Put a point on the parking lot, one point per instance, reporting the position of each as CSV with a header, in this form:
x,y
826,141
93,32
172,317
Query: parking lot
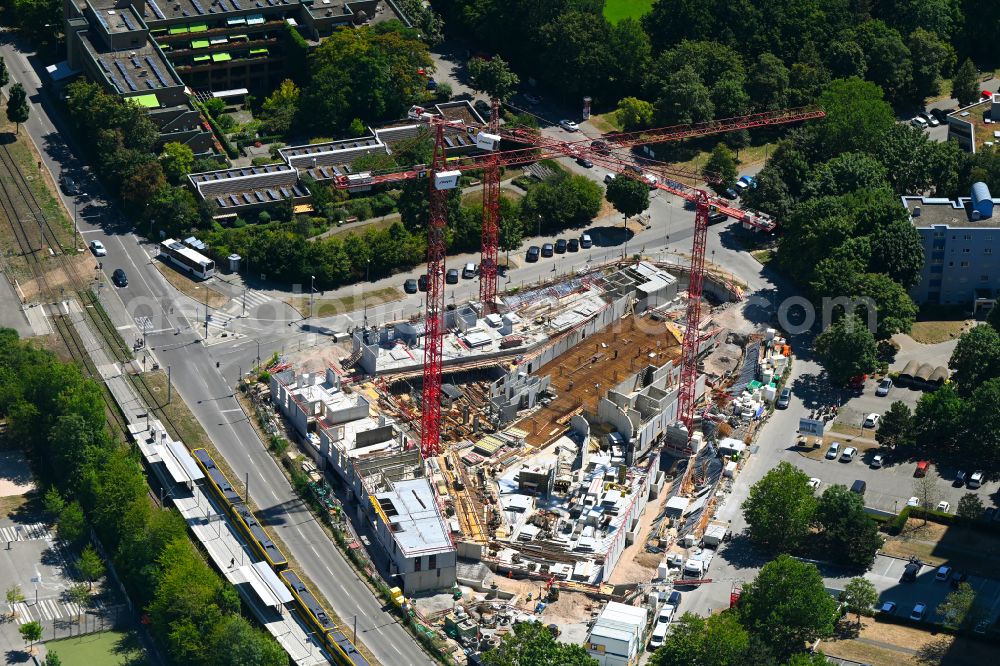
x,y
886,575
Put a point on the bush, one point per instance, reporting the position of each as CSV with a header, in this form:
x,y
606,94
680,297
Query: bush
x,y
383,203
215,107
360,208
263,217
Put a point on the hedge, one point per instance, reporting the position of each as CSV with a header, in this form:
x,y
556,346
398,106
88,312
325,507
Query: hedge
x,y
895,525
231,150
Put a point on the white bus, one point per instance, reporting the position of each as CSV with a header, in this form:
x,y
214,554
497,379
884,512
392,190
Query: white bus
x,y
188,260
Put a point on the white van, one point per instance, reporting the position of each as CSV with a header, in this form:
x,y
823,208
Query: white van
x,y
659,635
469,271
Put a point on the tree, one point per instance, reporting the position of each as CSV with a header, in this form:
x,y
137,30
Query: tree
x,y
718,640
847,173
898,251
965,83
176,161
938,419
780,508
847,349
632,53
975,359
684,99
235,642
31,632
856,114
72,526
808,659
90,565
850,535
894,309
970,507
931,57
4,74
721,165
634,114
896,427
787,605
768,82
979,442
79,594
280,108
52,659
425,19
927,494
141,184
14,596
888,58
368,72
17,106
53,501
532,644
859,596
493,77
629,196
955,608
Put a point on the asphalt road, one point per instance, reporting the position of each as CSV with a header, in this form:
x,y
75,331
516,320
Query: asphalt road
x,y
207,392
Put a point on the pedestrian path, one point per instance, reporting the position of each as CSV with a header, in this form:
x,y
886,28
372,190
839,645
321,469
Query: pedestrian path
x,y
46,609
29,532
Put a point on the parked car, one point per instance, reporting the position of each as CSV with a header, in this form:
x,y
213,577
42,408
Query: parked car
x,y
911,570
601,146
975,480
958,578
469,271
674,599
986,94
586,241
119,278
931,120
871,421
943,573
584,162
877,462
410,286
608,177
452,276
919,122
569,125
730,193
944,506
888,607
97,247
483,107
784,398
561,246
941,114
717,217
859,487
548,250
832,452
919,611
913,501
921,469
959,478
573,245
883,387
848,454
422,283
532,254
814,482
69,185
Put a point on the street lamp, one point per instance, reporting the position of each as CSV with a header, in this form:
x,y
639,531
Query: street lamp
x,y
312,290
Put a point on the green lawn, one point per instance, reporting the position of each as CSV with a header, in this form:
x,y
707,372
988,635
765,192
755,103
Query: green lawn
x,y
616,10
109,648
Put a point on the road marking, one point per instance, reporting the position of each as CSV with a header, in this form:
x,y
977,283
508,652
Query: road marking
x,y
124,327
226,411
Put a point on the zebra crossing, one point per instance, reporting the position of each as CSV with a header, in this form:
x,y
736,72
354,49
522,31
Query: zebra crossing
x,y
29,532
46,609
221,318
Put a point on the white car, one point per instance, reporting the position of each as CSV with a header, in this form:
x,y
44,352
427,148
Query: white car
x,y
944,506
913,501
97,247
871,421
877,462
568,125
931,120
834,449
814,482
848,454
975,480
919,122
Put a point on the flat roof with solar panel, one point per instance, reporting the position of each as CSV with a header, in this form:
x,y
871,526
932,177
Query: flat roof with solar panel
x,y
137,70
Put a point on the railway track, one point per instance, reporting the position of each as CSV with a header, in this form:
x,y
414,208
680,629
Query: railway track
x,y
29,224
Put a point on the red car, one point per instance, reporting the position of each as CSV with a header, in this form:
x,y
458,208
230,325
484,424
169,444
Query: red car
x,y
921,469
986,94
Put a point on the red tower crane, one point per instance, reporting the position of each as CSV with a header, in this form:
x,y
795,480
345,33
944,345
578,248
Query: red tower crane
x,y
445,176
